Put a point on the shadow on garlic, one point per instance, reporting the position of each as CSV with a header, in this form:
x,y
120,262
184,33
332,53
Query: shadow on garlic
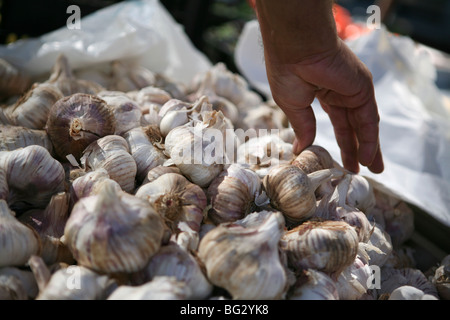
x,y
15,137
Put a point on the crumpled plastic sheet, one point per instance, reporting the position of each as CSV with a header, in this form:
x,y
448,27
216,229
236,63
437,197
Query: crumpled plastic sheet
x,y
142,31
415,117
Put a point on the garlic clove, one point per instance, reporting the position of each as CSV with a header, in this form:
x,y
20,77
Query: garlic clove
x,y
113,231
76,121
232,194
158,171
328,246
246,261
112,154
176,199
17,241
173,261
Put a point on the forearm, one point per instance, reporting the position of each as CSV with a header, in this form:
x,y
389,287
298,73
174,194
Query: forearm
x,y
295,30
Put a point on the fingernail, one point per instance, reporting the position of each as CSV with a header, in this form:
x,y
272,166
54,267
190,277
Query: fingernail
x,y
295,147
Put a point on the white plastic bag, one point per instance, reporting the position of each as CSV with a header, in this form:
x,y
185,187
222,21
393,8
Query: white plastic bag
x,y
415,121
131,30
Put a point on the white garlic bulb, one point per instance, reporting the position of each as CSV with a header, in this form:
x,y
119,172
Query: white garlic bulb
x,y
174,113
127,112
145,145
77,283
17,241
380,248
232,194
410,293
127,76
33,176
360,193
245,261
328,246
113,231
353,282
176,199
158,171
293,192
112,154
313,285
313,158
263,116
173,261
160,288
32,109
196,148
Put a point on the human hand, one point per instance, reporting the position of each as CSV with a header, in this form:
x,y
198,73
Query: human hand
x,y
343,86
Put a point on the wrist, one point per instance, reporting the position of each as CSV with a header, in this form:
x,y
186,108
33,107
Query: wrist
x,y
296,30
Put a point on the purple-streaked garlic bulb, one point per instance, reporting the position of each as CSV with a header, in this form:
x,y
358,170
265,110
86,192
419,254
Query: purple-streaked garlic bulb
x,y
244,259
76,121
113,231
112,154
15,137
313,158
232,194
176,199
328,246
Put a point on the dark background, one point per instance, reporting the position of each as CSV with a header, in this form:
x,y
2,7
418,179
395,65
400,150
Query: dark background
x,y
214,25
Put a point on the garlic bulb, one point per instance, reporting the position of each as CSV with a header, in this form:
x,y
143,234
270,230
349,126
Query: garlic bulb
x,y
63,78
127,112
4,189
146,149
353,282
17,241
328,246
15,137
313,285
313,158
158,171
196,148
151,100
160,288
13,81
76,121
49,225
33,176
393,278
32,109
264,152
410,293
112,154
176,199
245,261
380,248
174,113
77,283
441,278
113,231
176,89
173,261
360,193
11,289
263,117
232,194
292,191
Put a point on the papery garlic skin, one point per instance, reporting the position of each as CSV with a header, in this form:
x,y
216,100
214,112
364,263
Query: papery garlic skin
x,y
353,282
158,171
112,154
160,288
176,199
173,261
17,241
113,231
313,285
232,194
246,261
313,158
4,190
146,149
76,121
328,246
410,293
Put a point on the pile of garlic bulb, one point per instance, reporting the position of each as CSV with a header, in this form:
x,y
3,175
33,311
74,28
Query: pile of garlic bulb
x,y
101,198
